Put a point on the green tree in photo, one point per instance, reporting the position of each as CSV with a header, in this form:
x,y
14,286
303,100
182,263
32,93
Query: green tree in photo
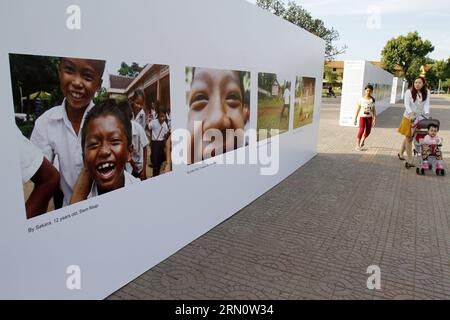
x,y
130,70
101,96
408,52
265,81
33,75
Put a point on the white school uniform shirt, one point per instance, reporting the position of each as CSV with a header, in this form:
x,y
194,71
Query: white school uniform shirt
x,y
54,135
153,114
159,131
140,118
419,107
31,157
129,180
287,96
139,141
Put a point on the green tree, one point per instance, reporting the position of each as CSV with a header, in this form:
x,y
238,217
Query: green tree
x,y
33,74
408,52
446,85
297,15
431,78
330,76
265,81
439,71
101,96
130,70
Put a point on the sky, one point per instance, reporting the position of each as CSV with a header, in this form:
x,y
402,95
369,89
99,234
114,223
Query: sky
x,y
365,26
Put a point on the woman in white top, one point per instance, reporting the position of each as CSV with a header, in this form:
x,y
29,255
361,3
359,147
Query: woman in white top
x,y
417,103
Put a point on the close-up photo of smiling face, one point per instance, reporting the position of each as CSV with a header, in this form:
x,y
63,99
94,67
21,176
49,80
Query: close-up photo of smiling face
x,y
106,152
80,79
217,101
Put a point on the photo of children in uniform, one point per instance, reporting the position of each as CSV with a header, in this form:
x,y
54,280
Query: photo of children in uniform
x,y
217,100
274,99
304,101
78,129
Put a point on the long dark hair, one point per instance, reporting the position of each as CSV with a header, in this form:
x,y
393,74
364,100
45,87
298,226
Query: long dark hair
x,y
423,91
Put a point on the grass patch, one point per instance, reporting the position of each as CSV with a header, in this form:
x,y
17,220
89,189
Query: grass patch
x,y
303,114
269,111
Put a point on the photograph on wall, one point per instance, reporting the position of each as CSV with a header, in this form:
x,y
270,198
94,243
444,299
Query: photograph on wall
x,y
86,127
274,99
218,103
381,91
304,101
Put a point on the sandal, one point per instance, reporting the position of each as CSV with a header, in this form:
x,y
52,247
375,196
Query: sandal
x,y
409,165
400,157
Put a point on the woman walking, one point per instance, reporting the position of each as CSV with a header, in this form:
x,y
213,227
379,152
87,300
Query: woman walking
x,y
367,115
417,103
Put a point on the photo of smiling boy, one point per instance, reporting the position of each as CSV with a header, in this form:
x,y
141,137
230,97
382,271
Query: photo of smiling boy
x,y
217,99
57,131
106,141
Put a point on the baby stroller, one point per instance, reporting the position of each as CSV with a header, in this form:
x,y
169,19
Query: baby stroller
x,y
420,131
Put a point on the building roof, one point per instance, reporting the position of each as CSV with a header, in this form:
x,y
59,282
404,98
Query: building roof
x,y
340,65
335,64
119,82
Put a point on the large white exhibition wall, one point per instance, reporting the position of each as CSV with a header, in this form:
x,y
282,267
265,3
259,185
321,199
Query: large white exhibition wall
x,y
358,74
190,52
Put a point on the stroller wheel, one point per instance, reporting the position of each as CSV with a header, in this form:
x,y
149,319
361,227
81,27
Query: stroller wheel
x,y
418,171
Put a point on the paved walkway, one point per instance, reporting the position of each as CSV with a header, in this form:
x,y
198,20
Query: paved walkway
x,y
314,235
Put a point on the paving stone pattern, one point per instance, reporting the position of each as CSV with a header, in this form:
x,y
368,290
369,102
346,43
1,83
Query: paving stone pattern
x,y
314,235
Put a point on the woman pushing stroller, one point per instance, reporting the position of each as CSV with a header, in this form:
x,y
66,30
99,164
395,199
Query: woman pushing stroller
x,y
417,103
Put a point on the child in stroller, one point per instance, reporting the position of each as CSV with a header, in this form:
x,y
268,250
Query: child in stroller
x,y
427,145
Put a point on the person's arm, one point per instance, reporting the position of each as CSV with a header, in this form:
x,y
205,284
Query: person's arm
x,y
429,140
134,166
168,152
150,129
145,144
143,174
46,182
426,106
357,112
39,137
82,187
407,102
374,116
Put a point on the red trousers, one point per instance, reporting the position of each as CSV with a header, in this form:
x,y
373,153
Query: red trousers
x,y
365,125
